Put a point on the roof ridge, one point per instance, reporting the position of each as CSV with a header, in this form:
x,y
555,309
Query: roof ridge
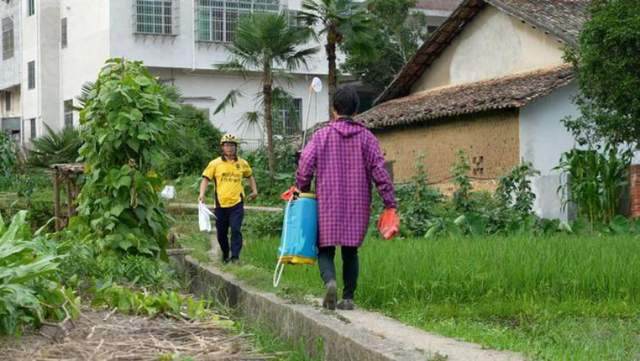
x,y
498,79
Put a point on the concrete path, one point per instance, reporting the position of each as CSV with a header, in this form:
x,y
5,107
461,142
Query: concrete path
x,y
343,335
413,338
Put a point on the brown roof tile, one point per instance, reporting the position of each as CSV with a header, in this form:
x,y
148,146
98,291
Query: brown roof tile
x,y
513,91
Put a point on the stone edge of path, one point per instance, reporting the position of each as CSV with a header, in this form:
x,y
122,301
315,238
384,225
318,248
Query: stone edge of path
x,y
324,333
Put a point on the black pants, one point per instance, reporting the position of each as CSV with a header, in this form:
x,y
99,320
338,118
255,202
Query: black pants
x,y
225,218
350,268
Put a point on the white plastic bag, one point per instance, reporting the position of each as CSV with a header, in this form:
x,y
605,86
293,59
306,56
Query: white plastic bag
x,y
169,192
204,219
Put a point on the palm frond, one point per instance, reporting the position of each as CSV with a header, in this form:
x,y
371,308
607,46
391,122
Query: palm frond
x,y
55,147
299,58
87,92
250,122
229,101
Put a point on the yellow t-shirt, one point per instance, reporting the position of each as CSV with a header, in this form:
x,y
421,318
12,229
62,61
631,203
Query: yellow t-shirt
x,y
227,176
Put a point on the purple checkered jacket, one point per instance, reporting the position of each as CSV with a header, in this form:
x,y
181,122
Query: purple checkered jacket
x,y
345,158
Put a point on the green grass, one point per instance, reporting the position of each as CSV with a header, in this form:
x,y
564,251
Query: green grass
x,y
554,298
268,344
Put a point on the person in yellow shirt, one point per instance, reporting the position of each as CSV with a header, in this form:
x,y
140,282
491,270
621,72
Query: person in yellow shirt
x,y
227,172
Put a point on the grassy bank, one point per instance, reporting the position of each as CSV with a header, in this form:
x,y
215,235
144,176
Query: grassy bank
x,y
554,298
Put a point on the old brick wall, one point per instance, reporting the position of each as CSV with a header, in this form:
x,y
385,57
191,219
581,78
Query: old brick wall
x,y
491,140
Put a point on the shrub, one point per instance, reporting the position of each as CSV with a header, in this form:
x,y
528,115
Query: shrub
x,y
419,201
8,156
193,141
460,170
124,128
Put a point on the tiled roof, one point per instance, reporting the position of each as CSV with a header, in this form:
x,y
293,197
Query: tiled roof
x,y
513,91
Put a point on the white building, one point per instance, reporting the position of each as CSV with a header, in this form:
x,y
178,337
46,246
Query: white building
x,y
50,48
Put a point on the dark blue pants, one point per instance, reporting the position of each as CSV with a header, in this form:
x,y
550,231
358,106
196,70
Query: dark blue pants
x,y
225,218
350,268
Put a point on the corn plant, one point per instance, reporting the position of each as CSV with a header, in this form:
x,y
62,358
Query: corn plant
x,y
595,181
30,291
460,170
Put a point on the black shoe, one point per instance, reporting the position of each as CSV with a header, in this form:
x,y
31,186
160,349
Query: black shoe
x,y
234,260
331,297
346,304
226,259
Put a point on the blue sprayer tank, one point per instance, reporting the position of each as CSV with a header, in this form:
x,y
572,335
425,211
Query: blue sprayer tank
x,y
298,244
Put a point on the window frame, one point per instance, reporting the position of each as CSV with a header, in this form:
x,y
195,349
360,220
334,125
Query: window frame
x,y
31,75
67,105
8,38
7,101
33,128
31,7
213,23
145,21
64,33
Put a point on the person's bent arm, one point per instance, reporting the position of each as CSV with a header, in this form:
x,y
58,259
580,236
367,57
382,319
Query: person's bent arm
x,y
203,189
254,188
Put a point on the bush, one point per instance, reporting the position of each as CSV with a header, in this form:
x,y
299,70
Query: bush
x,y
264,223
8,157
268,187
124,129
419,202
192,142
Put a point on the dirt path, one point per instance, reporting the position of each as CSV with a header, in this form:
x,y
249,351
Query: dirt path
x,y
112,336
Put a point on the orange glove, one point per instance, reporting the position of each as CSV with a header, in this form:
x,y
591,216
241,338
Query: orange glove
x,y
289,194
389,223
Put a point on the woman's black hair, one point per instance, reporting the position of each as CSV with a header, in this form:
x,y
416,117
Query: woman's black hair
x,y
346,101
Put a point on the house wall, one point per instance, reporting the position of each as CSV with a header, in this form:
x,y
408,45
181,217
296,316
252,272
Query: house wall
x,y
87,47
492,45
180,50
543,139
492,136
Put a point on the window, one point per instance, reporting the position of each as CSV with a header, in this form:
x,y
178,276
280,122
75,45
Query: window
x,y
7,38
68,113
7,101
11,126
294,20
32,125
31,7
216,20
154,17
288,117
31,73
63,33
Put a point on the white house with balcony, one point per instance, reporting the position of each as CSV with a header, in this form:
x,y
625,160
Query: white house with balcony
x,y
50,48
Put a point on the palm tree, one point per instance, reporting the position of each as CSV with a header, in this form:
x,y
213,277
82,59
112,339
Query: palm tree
x,y
265,42
337,19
